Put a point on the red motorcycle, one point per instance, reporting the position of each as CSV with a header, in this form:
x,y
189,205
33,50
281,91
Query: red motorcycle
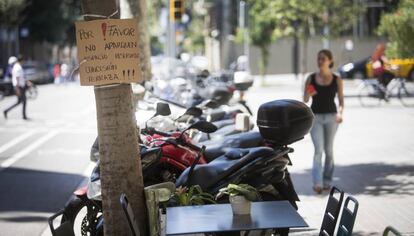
x,y
178,150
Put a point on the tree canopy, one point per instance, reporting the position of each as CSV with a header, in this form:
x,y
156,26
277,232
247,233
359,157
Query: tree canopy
x,y
399,28
51,20
10,12
272,19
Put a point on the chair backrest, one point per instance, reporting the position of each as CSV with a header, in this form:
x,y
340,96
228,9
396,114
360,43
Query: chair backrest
x,y
348,216
129,213
64,229
154,195
392,230
333,207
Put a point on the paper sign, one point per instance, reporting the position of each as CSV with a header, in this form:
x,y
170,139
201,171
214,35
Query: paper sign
x,y
108,51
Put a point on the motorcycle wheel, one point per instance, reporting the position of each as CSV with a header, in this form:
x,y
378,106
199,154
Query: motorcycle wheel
x,y
83,216
160,174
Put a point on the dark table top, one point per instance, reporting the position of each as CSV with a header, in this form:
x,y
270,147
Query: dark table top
x,y
219,217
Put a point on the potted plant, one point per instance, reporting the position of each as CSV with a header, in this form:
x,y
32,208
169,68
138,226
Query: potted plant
x,y
240,197
193,195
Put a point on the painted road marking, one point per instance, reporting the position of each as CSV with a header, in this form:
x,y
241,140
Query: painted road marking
x,y
16,157
16,140
65,129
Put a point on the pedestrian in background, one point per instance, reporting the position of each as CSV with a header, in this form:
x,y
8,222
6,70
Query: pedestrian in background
x,y
20,85
56,73
323,86
64,73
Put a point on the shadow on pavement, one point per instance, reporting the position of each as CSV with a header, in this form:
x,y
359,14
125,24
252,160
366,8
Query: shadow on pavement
x,y
19,219
35,191
370,179
365,233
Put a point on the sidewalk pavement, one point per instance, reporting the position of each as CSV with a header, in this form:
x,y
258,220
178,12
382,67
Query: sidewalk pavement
x,y
374,159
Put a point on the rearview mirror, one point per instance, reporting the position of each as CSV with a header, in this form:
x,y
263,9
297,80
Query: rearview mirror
x,y
212,104
193,111
203,126
163,109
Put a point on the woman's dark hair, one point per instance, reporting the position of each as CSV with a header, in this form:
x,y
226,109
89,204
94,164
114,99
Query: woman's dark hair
x,y
20,58
328,54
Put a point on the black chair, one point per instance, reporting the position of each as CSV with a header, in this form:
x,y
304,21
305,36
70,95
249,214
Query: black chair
x,y
348,216
333,207
64,229
392,230
133,225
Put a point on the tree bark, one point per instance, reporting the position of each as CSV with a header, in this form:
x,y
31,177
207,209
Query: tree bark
x,y
304,67
121,170
120,166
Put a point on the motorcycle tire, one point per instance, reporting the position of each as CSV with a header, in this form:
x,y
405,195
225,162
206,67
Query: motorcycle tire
x,y
89,221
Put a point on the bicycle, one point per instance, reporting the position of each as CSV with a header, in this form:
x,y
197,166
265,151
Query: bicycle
x,y
371,92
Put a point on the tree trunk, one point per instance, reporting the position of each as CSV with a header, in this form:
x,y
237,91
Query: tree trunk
x,y
304,61
121,170
120,166
264,61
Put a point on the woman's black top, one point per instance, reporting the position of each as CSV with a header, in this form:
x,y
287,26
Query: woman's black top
x,y
324,100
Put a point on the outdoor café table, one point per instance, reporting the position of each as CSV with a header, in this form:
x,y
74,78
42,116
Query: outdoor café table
x,y
219,217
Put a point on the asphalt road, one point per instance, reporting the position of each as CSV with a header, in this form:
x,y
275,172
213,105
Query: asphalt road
x,y
43,160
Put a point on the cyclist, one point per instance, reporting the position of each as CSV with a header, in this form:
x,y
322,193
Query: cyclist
x,y
380,66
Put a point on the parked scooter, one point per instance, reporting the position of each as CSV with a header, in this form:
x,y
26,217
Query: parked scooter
x,y
280,122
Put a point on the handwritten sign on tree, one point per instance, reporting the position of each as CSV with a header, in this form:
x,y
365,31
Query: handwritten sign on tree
x,y
108,51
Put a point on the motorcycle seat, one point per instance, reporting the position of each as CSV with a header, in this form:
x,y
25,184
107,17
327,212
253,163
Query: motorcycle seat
x,y
206,175
216,148
216,116
219,134
223,123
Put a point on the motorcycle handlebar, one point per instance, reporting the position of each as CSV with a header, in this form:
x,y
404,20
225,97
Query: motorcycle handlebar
x,y
192,146
181,139
152,131
162,133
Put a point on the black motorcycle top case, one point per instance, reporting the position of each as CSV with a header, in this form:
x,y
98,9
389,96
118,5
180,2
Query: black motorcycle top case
x,y
282,122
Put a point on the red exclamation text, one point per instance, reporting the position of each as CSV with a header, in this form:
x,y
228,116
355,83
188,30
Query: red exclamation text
x,y
104,30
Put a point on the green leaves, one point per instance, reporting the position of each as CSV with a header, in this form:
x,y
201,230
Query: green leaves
x,y
52,21
10,12
399,28
273,19
248,191
285,16
192,196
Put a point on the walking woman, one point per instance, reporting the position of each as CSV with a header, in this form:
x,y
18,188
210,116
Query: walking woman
x,y
323,86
